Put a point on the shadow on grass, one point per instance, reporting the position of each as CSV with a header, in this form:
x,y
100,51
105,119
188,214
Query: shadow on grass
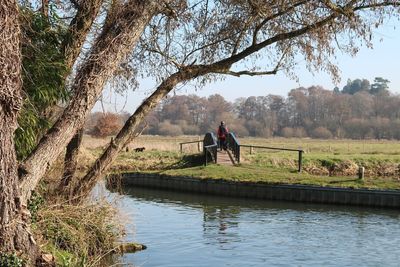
x,y
346,181
188,161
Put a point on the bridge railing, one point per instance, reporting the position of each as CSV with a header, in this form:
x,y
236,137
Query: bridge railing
x,y
190,142
210,147
234,146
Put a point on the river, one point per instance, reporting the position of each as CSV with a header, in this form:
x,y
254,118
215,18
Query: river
x,y
197,230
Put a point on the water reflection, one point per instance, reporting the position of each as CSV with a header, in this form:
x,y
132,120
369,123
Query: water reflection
x,y
194,200
197,230
218,223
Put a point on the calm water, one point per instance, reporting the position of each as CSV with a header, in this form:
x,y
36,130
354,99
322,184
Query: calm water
x,y
196,230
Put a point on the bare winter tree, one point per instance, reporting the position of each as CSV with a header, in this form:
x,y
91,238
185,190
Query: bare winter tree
x,y
210,37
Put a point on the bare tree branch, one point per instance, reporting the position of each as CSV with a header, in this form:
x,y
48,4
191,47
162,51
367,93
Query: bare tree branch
x,y
45,8
203,47
255,73
274,16
242,35
382,4
248,73
166,56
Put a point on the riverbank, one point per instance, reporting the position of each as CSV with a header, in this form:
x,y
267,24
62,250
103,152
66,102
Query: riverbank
x,y
329,160
282,175
262,190
74,234
327,163
84,234
380,158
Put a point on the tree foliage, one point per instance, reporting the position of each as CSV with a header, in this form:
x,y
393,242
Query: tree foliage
x,y
43,76
108,124
379,87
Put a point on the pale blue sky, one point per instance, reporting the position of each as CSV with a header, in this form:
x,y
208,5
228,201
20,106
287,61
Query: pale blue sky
x,y
381,61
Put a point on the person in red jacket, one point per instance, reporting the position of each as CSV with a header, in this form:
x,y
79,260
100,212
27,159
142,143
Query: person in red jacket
x,y
222,134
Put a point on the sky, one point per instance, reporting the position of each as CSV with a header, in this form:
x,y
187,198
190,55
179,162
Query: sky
x,y
381,61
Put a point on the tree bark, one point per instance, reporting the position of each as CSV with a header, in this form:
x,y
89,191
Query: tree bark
x,y
45,8
119,36
73,41
78,30
71,159
14,229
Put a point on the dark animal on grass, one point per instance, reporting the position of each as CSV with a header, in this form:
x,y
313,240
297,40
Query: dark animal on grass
x,y
139,149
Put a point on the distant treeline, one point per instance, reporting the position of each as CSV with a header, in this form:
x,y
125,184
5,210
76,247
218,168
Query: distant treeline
x,y
359,111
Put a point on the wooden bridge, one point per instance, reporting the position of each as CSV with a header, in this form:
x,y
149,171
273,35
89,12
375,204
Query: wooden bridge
x,y
231,156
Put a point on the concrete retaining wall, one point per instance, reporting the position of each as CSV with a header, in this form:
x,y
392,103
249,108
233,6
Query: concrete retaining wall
x,y
300,193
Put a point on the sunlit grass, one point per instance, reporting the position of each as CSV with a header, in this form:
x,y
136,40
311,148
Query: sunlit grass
x,y
251,173
325,162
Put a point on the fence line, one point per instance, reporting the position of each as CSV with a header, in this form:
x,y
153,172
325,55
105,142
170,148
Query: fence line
x,y
300,151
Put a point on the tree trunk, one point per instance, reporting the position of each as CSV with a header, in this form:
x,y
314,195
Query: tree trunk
x,y
45,8
71,159
73,41
14,230
78,30
119,36
79,27
126,134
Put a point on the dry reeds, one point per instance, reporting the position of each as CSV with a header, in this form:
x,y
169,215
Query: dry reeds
x,y
79,234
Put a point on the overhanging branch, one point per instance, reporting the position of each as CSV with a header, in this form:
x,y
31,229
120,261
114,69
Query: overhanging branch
x,y
249,73
254,73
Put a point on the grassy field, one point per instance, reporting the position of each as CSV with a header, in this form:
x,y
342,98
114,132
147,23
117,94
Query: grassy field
x,y
251,173
326,162
329,157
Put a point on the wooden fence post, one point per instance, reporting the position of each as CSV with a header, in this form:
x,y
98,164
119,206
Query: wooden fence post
x,y
300,160
361,172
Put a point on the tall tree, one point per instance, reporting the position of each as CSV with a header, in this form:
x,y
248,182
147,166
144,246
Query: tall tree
x,y
380,86
353,87
122,28
14,228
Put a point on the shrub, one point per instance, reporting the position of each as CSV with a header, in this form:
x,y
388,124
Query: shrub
x,y
322,133
299,132
108,124
166,128
287,132
239,129
189,129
